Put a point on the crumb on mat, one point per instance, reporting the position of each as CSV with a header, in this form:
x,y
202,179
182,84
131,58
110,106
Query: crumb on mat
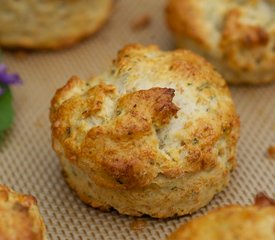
x,y
271,152
137,224
262,200
141,23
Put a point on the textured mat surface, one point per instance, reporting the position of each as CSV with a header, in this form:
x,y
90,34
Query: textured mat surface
x,y
28,163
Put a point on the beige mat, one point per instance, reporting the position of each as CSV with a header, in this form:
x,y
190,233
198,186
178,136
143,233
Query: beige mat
x,y
28,164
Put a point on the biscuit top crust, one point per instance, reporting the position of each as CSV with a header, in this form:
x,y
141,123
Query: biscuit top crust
x,y
230,223
19,216
242,32
154,114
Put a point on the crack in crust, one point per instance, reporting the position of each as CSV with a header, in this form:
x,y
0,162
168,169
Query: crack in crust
x,y
126,148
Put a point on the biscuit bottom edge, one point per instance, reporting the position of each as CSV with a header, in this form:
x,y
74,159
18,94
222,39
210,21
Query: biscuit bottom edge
x,y
153,200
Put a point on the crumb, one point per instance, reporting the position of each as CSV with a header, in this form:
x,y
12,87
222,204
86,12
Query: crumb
x,y
20,55
262,200
137,225
271,152
141,23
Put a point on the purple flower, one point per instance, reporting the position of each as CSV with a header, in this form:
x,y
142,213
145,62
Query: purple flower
x,y
7,78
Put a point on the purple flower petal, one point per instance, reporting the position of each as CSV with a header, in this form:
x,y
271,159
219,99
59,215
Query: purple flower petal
x,y
7,78
3,68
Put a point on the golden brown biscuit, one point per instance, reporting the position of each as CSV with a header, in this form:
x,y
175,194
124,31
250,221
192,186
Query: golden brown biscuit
x,y
156,134
231,223
19,217
238,36
50,24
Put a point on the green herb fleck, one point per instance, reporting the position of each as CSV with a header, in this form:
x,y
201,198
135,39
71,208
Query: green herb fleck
x,y
203,86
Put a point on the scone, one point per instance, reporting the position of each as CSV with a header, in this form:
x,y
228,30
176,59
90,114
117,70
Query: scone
x,y
19,217
231,223
156,134
237,36
50,24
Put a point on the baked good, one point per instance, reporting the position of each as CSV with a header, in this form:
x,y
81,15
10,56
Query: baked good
x,y
20,217
156,134
237,36
231,223
50,24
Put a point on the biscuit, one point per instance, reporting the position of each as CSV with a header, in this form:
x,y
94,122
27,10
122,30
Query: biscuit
x,y
50,24
231,223
20,217
156,134
237,37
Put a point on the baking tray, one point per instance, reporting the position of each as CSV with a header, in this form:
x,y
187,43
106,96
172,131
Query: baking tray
x,y
29,165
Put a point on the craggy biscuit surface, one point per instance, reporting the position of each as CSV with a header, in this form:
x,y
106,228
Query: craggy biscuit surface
x,y
50,24
19,217
230,223
238,36
156,134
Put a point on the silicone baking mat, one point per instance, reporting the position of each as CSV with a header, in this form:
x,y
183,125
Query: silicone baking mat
x,y
28,163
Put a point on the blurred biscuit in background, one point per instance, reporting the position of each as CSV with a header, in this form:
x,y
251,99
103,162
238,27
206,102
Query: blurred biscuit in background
x,y
232,223
49,24
238,36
